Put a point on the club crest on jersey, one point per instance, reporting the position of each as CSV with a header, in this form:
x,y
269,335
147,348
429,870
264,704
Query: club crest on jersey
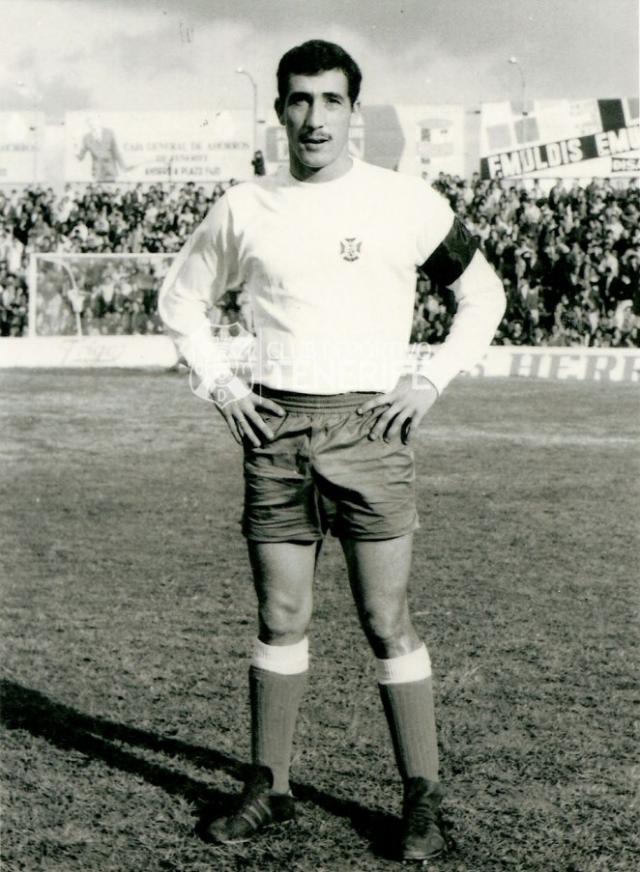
x,y
350,248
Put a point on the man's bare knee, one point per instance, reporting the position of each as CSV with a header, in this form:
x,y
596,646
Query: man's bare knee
x,y
390,633
283,620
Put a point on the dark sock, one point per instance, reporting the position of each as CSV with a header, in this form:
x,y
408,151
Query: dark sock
x,y
410,714
275,700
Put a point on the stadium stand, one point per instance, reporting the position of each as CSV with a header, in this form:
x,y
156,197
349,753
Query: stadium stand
x,y
570,258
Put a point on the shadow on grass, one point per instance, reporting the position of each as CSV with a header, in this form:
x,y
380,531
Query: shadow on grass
x,y
99,738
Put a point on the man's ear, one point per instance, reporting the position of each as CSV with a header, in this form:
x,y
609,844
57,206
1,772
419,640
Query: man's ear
x,y
279,107
356,107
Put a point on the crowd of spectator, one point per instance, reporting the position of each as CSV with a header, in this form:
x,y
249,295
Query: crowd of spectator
x,y
569,258
117,296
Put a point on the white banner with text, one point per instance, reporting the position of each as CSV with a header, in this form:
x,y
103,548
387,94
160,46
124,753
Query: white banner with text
x,y
560,138
421,140
21,146
158,146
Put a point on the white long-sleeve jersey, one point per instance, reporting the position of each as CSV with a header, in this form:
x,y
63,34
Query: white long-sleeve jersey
x,y
330,269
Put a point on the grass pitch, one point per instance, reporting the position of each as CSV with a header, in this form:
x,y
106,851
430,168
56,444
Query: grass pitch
x,y
129,614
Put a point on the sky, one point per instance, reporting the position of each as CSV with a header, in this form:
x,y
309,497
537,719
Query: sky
x,y
109,55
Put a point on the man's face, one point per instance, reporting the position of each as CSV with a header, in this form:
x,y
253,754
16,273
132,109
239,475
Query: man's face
x,y
316,113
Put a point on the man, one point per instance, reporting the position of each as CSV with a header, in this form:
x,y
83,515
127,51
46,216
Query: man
x,y
326,429
101,144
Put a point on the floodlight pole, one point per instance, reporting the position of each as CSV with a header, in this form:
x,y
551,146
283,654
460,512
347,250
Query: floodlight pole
x,y
516,63
243,72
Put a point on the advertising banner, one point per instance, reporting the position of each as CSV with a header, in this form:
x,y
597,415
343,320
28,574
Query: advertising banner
x,y
560,138
562,364
158,146
88,352
419,140
20,146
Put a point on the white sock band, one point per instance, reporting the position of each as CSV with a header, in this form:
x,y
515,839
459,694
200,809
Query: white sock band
x,y
415,666
283,659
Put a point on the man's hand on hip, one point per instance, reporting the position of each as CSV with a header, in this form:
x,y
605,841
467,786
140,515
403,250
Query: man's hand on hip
x,y
400,411
244,421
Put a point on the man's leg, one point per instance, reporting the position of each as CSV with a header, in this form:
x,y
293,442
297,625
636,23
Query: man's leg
x,y
283,577
379,576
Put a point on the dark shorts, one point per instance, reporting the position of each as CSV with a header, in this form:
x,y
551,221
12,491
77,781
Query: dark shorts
x,y
322,473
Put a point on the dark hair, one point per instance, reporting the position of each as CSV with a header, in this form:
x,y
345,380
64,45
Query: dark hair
x,y
317,56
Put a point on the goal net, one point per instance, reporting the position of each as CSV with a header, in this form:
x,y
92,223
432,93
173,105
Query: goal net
x,y
109,295
95,294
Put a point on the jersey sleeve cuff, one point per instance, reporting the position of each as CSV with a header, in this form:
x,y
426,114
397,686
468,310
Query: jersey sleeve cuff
x,y
436,375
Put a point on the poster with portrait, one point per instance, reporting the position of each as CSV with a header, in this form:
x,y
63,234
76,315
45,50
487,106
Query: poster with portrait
x,y
158,146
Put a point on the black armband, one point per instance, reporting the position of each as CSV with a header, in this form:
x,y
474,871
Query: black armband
x,y
451,258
